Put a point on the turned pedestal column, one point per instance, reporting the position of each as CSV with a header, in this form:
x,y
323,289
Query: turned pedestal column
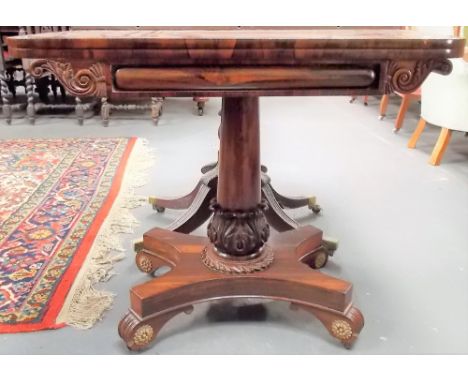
x,y
238,258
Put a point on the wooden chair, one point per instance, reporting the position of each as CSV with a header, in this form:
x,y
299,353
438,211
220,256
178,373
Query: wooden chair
x,y
12,75
444,103
406,100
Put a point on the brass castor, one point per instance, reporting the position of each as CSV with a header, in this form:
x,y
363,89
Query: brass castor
x,y
154,202
381,117
330,244
313,206
159,208
318,259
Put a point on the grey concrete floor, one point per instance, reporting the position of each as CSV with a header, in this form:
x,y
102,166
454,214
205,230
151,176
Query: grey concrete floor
x,y
402,226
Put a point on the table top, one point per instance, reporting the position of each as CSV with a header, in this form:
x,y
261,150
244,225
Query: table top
x,y
279,43
237,62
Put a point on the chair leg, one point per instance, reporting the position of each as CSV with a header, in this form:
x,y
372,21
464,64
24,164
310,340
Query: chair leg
x,y
383,106
402,112
5,94
366,100
30,96
79,110
417,133
440,147
105,111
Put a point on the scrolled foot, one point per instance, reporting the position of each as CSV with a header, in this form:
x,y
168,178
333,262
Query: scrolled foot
x,y
148,263
345,327
138,333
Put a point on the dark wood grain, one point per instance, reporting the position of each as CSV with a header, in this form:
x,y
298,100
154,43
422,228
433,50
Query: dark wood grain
x,y
245,78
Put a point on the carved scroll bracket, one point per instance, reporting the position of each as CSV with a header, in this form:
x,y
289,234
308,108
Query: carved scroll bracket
x,y
407,76
87,82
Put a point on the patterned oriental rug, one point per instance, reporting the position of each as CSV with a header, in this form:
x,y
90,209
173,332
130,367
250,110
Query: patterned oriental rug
x,y
63,203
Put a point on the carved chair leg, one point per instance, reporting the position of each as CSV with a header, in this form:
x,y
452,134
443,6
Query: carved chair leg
x,y
105,111
417,133
440,147
156,109
30,96
5,94
79,110
383,106
200,104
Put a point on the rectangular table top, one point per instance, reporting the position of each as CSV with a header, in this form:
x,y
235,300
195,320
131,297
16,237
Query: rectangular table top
x,y
373,43
237,62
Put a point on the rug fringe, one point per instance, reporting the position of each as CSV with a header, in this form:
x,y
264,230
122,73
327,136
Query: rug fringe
x,y
85,305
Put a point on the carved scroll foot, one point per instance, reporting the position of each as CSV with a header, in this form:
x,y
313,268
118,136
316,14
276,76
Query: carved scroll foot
x,y
344,326
148,262
139,333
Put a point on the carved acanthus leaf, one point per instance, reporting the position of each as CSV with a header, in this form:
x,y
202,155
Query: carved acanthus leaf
x,y
238,233
407,76
86,82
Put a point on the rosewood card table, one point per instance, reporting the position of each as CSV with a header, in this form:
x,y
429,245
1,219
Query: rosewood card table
x,y
240,257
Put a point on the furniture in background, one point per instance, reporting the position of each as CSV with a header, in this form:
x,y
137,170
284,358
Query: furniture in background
x,y
444,103
239,258
12,75
406,100
49,83
365,99
114,100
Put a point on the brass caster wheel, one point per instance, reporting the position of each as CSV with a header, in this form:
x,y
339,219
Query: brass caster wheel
x,y
352,100
330,244
145,263
381,117
316,209
313,206
318,259
366,104
159,209
154,202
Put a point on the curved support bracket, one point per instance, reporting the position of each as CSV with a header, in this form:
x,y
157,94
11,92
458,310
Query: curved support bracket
x,y
86,82
407,76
